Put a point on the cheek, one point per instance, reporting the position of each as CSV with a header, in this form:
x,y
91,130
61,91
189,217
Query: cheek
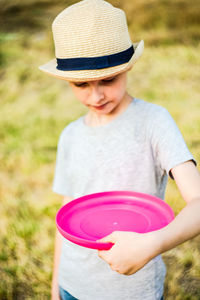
x,y
81,95
122,88
118,91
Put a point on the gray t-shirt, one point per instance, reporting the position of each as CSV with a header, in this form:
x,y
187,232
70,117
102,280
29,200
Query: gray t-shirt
x,y
133,152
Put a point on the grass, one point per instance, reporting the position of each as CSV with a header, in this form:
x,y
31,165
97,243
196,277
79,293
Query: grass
x,y
34,108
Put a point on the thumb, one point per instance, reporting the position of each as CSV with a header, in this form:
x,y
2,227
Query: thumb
x,y
108,239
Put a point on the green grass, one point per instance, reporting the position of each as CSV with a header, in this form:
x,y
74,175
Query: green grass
x,y
34,108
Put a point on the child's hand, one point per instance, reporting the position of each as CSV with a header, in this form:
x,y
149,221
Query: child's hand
x,y
130,252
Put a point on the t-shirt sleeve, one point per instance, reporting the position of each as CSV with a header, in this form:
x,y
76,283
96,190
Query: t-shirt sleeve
x,y
60,182
168,143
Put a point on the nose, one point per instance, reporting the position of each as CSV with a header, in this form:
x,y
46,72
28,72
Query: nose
x,y
97,94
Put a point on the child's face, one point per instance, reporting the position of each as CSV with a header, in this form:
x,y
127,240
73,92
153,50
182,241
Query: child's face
x,y
101,96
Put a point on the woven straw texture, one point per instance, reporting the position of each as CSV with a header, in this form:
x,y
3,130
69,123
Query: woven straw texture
x,y
90,28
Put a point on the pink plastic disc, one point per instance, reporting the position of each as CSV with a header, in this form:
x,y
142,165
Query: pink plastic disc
x,y
87,219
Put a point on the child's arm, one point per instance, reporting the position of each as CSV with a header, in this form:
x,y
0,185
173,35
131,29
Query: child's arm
x,y
57,251
132,251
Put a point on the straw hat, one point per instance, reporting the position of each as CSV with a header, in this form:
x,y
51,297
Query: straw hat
x,y
91,42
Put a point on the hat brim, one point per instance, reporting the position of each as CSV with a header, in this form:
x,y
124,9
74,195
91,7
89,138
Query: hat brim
x,y
83,75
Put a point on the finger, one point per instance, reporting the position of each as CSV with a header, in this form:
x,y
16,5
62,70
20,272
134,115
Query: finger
x,y
101,253
108,238
104,255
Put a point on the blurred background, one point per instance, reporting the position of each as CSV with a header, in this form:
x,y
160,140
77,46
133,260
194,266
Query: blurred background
x,y
34,108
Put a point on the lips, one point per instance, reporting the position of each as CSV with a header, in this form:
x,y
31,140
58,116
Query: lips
x,y
100,106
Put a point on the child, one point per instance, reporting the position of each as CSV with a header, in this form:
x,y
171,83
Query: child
x,y
122,143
